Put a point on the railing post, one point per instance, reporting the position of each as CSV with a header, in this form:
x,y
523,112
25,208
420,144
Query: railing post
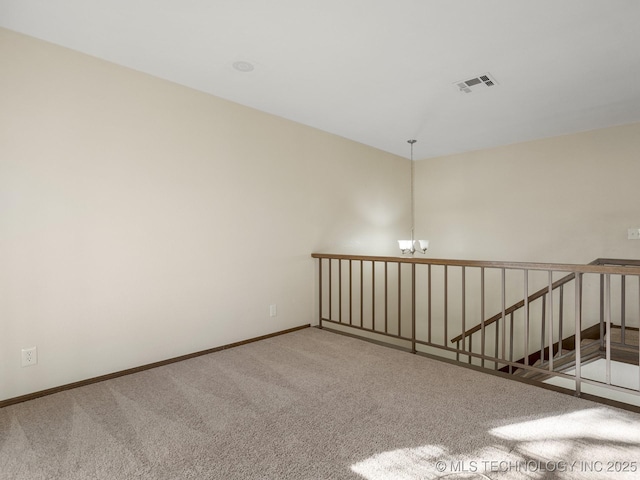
x,y
413,308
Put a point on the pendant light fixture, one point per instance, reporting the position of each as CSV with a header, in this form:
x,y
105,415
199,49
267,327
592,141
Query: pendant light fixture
x,y
409,247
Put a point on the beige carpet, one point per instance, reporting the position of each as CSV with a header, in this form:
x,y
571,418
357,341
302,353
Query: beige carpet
x,y
315,405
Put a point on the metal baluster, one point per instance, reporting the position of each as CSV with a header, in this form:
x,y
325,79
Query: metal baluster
x,y
340,291
413,308
623,300
373,295
601,311
446,301
578,333
607,319
482,317
550,321
504,320
320,293
526,317
511,342
560,321
386,299
330,291
350,292
542,328
496,343
429,300
463,308
361,293
399,299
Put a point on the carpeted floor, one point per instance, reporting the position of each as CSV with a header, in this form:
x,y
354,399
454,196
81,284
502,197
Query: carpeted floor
x,y
315,405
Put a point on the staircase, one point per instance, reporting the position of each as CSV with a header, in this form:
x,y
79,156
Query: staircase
x,y
550,358
591,349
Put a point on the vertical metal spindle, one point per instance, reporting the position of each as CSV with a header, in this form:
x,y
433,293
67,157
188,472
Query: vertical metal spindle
x,y
482,318
526,317
373,295
320,293
504,321
496,343
350,292
361,292
340,291
607,319
399,299
429,301
623,301
386,297
330,317
511,342
470,348
446,301
413,308
550,321
463,309
560,320
458,351
578,333
601,311
542,327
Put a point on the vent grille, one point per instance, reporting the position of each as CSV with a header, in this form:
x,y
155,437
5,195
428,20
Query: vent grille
x,y
476,83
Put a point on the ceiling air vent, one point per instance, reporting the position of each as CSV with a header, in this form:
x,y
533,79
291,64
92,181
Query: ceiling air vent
x,y
476,83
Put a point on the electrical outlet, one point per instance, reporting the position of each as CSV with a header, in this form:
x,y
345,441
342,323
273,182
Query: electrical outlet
x,y
273,310
29,356
633,234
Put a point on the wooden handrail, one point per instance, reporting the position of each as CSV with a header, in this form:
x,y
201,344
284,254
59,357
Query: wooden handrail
x,y
608,267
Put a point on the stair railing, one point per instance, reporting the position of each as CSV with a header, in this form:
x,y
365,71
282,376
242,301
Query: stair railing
x,y
420,303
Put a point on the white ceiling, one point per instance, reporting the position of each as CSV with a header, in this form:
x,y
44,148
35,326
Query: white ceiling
x,y
376,71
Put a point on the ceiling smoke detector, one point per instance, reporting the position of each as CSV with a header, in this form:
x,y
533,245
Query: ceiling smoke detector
x,y
476,83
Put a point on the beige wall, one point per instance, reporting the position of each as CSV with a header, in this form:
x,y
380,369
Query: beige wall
x,y
140,220
567,199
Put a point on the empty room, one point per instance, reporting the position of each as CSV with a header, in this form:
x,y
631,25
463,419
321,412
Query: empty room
x,y
319,240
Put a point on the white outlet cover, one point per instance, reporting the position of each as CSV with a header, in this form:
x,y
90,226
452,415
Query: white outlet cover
x,y
633,234
29,356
